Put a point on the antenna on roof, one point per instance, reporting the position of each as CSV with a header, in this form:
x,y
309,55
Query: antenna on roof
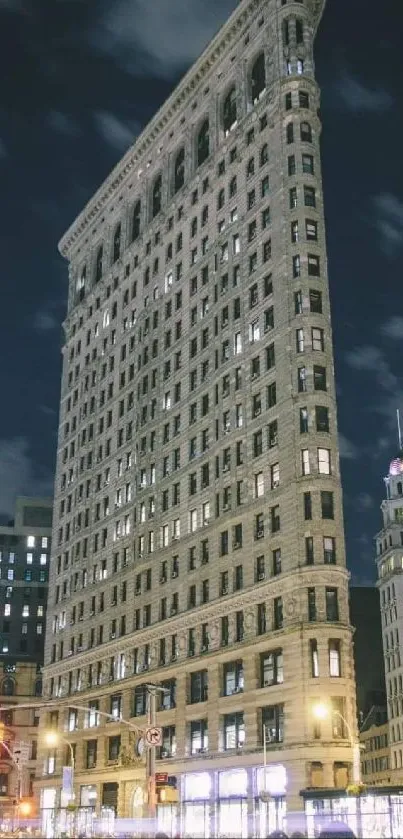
x,y
399,431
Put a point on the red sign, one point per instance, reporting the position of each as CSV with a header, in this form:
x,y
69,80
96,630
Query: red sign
x,y
161,778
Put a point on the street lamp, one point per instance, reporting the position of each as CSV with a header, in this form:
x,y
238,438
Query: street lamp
x,y
52,739
322,711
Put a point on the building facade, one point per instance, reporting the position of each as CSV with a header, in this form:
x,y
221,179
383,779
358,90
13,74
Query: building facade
x,y
24,569
198,531
389,560
375,757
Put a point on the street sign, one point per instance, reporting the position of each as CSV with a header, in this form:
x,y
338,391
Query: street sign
x,y
161,778
21,751
154,736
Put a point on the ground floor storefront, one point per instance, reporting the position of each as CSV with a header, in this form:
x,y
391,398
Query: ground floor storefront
x,y
376,813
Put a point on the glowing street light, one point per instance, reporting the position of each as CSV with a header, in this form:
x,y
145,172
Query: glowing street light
x,y
52,740
321,711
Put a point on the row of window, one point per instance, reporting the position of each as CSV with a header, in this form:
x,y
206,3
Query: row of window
x,y
231,630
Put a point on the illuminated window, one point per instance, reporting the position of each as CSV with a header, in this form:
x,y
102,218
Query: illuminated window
x,y
25,611
324,462
43,559
44,542
30,541
30,559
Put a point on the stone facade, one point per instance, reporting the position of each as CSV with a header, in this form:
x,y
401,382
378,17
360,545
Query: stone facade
x,y
198,512
20,685
389,560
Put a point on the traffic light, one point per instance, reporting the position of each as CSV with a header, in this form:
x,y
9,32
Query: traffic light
x,y
166,788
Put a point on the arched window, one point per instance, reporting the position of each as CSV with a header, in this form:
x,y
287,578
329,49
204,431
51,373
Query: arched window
x,y
117,242
156,196
258,78
290,132
286,33
136,221
229,111
99,263
299,31
264,154
8,687
203,142
306,132
179,170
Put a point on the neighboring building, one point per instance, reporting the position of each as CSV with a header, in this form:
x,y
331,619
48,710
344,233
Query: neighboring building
x,y
375,755
24,569
389,560
198,531
366,620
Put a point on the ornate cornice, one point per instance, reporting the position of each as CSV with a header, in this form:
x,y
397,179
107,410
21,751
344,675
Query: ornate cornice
x,y
186,89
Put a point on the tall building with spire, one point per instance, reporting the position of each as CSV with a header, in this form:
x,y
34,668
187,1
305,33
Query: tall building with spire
x,y
389,560
198,532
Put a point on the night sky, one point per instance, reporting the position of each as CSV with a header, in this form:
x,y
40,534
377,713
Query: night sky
x,y
79,80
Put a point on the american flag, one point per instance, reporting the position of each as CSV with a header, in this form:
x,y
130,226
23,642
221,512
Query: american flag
x,y
396,466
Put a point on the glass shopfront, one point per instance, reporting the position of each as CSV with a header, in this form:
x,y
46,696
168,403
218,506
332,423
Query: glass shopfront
x,y
232,806
377,814
230,803
196,805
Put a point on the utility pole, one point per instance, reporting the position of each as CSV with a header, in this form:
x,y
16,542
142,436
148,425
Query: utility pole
x,y
152,695
152,691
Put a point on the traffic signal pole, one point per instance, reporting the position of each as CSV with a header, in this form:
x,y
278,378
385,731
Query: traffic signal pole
x,y
152,803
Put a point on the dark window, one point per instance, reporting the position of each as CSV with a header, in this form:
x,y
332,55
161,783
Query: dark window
x,y
91,754
271,668
307,506
136,221
308,164
234,731
198,737
322,418
306,132
233,678
156,196
203,143
309,556
303,99
229,110
278,612
99,264
117,240
258,78
273,724
309,196
327,504
329,550
179,170
290,132
113,747
311,604
315,301
319,378
332,605
198,686
299,31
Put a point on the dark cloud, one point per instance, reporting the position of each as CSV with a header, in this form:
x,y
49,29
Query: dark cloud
x,y
359,98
